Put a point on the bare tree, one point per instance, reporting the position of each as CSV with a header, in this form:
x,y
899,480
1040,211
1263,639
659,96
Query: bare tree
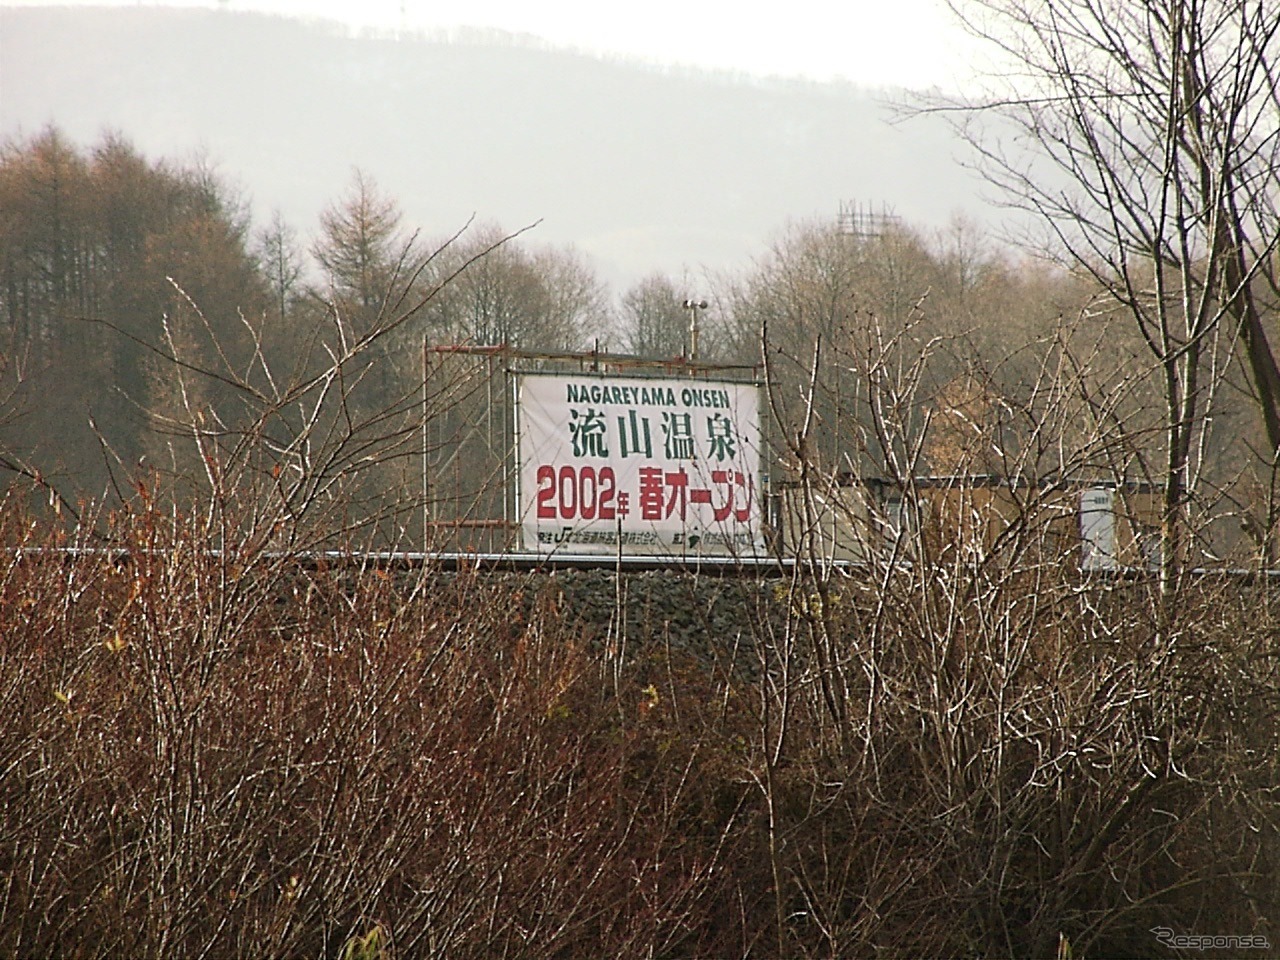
x,y
1145,137
536,299
361,248
280,259
654,321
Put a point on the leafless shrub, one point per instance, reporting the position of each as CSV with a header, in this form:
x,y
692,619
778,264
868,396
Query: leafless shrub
x,y
200,760
966,745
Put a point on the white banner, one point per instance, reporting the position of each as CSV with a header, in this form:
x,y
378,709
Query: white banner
x,y
654,467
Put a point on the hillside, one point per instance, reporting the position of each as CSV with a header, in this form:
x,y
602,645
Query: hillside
x,y
640,169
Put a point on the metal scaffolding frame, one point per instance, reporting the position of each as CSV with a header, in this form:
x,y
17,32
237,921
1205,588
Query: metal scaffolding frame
x,y
470,473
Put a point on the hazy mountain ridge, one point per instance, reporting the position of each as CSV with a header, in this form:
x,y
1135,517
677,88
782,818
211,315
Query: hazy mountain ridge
x,y
640,168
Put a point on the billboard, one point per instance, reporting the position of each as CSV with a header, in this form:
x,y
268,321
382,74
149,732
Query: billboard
x,y
642,466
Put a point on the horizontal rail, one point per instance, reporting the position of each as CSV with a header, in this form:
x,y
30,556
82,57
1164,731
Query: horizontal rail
x,y
587,356
754,565
452,560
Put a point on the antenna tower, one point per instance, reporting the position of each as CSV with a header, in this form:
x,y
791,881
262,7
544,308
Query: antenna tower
x,y
865,223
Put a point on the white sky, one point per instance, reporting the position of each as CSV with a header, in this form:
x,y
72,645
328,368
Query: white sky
x,y
911,43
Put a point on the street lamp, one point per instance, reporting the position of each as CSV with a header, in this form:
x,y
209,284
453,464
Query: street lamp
x,y
693,306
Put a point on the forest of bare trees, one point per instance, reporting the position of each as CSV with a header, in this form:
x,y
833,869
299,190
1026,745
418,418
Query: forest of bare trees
x,y
102,297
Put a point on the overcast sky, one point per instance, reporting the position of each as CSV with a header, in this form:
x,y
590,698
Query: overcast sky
x,y
911,43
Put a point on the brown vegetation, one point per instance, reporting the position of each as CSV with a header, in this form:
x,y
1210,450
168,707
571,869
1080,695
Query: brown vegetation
x,y
234,753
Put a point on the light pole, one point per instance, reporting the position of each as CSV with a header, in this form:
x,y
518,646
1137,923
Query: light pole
x,y
693,306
